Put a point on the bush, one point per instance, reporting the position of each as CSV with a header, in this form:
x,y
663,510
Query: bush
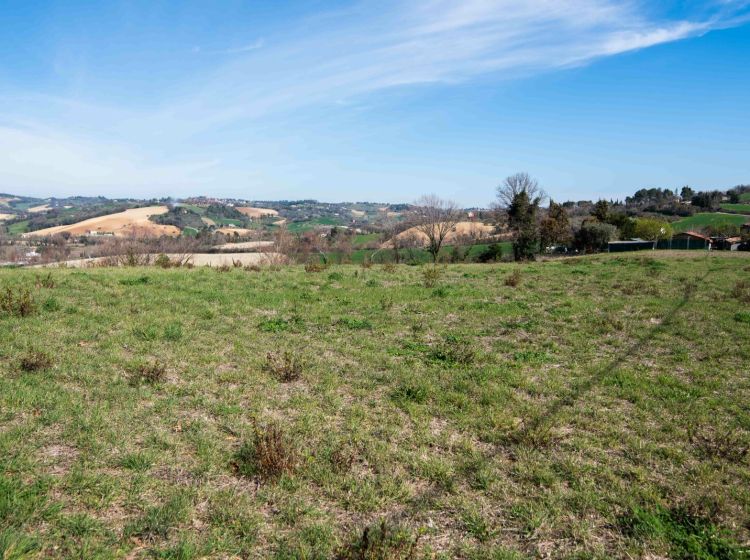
x,y
493,253
285,366
431,275
35,360
17,302
513,279
162,261
313,267
594,236
269,455
45,281
383,541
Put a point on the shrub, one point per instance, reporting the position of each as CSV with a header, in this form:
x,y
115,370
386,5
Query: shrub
x,y
45,281
35,360
269,454
17,302
513,279
492,253
148,372
285,366
313,267
431,275
383,541
162,261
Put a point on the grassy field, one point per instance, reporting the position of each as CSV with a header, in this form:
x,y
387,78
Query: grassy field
x,y
591,407
705,219
745,197
741,208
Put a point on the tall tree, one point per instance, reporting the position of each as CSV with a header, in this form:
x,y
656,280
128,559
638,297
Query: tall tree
x,y
436,219
522,214
555,226
601,210
516,184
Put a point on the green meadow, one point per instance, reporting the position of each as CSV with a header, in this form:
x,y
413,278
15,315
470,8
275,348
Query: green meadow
x,y
706,219
592,407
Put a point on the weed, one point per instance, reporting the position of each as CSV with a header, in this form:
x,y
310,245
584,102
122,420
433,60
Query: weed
x,y
51,304
313,267
513,279
382,541
140,462
173,331
45,281
279,324
151,372
354,324
136,281
17,302
389,267
269,454
223,268
163,261
689,536
35,360
729,443
157,521
335,277
411,392
741,291
366,262
252,268
431,276
453,350
284,366
742,317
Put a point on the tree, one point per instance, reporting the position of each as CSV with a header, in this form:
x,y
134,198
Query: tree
x,y
522,220
686,193
734,197
652,229
709,200
601,210
555,227
516,184
594,236
437,218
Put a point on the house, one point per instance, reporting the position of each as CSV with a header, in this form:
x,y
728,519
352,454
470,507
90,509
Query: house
x,y
635,244
690,240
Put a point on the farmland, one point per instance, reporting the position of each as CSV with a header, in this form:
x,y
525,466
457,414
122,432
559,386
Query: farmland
x,y
739,208
135,220
590,407
706,219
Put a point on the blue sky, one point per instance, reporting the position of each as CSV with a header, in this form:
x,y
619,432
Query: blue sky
x,y
372,100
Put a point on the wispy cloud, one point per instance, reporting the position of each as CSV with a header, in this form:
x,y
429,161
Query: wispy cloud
x,y
349,55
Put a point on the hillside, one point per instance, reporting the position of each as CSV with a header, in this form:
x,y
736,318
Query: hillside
x,y
706,219
590,408
128,222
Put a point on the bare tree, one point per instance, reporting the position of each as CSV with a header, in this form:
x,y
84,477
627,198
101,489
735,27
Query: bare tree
x,y
516,184
436,219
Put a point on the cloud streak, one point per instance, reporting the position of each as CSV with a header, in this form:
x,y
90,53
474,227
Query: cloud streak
x,y
349,55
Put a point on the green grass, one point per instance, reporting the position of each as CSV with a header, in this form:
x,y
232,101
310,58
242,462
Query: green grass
x,y
18,228
299,227
740,208
365,238
705,219
598,409
745,197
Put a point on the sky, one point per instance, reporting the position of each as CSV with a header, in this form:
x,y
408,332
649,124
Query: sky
x,y
381,100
